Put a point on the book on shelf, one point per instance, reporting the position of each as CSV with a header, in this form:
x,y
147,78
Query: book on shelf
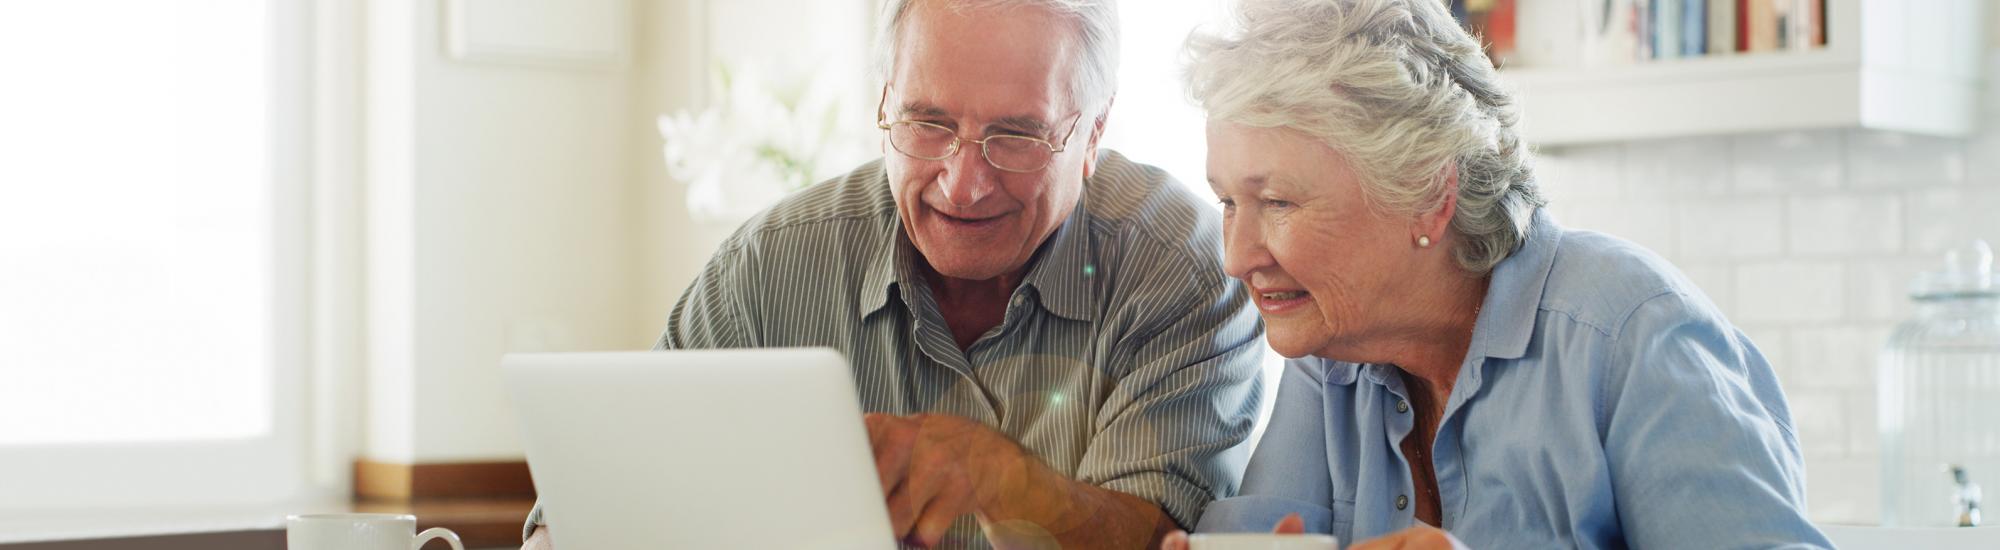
x,y
1492,22
1620,32
1666,29
1721,27
1694,28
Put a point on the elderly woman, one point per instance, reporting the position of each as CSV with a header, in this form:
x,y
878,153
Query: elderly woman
x,y
1463,364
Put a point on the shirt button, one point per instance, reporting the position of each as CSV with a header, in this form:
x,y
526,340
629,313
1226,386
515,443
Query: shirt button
x,y
1020,299
1402,501
1402,406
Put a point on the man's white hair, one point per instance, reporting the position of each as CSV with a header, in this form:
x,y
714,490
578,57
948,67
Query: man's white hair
x,y
1399,90
1096,33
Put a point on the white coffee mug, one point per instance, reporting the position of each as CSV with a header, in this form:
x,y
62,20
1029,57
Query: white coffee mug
x,y
1261,541
361,532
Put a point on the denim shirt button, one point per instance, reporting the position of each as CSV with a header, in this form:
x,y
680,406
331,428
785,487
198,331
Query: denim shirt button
x,y
1402,501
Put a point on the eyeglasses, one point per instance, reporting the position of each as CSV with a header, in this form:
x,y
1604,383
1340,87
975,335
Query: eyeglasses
x,y
923,140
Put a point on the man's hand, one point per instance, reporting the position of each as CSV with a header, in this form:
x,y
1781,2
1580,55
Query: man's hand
x,y
539,540
935,468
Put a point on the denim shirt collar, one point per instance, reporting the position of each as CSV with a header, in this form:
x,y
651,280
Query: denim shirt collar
x,y
1506,320
1514,294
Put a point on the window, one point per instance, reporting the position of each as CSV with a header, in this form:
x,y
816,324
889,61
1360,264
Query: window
x,y
1155,122
151,251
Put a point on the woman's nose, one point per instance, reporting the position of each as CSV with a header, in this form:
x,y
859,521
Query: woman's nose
x,y
1243,250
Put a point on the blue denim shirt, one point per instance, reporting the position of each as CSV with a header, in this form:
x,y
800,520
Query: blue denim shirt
x,y
1605,403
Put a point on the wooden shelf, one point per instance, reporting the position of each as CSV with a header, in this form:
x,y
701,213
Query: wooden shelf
x,y
1889,65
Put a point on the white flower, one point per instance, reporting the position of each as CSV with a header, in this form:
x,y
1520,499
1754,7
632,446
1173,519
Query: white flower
x,y
754,146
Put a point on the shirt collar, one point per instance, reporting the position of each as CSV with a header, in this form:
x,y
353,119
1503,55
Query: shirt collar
x,y
1514,295
1061,275
1064,272
890,264
1341,373
890,261
1506,319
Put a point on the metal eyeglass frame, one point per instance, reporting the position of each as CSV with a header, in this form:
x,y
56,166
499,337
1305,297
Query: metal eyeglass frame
x,y
985,152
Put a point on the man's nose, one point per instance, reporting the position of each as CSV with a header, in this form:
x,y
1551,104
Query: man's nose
x,y
967,177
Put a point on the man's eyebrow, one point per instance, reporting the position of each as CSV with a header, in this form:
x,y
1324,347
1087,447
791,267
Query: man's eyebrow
x,y
912,110
1024,123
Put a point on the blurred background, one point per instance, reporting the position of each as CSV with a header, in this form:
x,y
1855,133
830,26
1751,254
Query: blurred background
x,y
261,257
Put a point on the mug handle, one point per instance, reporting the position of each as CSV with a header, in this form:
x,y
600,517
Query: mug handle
x,y
437,533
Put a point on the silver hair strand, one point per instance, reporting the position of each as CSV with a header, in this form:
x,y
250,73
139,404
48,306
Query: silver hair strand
x,y
1399,90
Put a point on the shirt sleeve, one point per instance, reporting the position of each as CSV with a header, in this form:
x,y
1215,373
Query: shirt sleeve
x,y
709,314
1289,473
1699,438
1171,430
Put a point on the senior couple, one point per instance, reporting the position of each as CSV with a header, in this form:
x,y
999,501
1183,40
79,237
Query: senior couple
x,y
1059,346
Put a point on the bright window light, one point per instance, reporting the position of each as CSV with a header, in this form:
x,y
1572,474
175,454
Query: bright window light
x,y
136,212
1154,121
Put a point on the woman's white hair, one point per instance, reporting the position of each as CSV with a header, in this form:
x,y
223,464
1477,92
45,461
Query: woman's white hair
x,y
1399,90
1096,36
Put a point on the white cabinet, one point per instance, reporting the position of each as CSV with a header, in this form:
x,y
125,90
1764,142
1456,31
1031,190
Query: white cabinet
x,y
1901,65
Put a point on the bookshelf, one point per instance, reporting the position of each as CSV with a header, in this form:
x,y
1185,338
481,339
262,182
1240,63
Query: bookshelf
x,y
1901,65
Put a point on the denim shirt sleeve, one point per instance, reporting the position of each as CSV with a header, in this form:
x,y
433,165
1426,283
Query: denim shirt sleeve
x,y
1288,473
1699,439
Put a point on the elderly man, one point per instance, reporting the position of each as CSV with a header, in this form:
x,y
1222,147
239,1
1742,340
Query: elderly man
x,y
1042,331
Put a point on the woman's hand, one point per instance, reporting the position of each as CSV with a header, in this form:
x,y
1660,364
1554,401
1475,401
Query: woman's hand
x,y
1291,525
1421,537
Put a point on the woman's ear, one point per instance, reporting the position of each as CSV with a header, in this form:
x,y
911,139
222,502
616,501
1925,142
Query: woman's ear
x,y
1432,226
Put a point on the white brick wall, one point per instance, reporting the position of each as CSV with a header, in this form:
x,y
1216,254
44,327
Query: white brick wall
x,y
1786,291
1845,225
1808,241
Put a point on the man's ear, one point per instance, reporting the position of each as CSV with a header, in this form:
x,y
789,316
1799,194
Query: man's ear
x,y
1436,223
1096,133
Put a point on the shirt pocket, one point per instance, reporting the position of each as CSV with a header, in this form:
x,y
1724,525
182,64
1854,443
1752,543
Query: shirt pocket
x,y
1341,524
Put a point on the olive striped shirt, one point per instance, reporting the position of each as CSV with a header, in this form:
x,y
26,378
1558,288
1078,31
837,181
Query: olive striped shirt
x,y
1126,358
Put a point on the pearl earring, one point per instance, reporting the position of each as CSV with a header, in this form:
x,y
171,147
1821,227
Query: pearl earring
x,y
1423,241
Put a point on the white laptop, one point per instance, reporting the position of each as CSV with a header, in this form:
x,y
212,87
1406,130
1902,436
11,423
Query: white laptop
x,y
698,449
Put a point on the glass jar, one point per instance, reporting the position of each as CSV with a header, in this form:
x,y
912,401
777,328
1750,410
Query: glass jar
x,y
1938,407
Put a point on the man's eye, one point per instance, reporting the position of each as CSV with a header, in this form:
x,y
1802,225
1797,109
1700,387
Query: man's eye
x,y
1275,203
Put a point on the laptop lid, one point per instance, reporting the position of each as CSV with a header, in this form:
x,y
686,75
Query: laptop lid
x,y
699,449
